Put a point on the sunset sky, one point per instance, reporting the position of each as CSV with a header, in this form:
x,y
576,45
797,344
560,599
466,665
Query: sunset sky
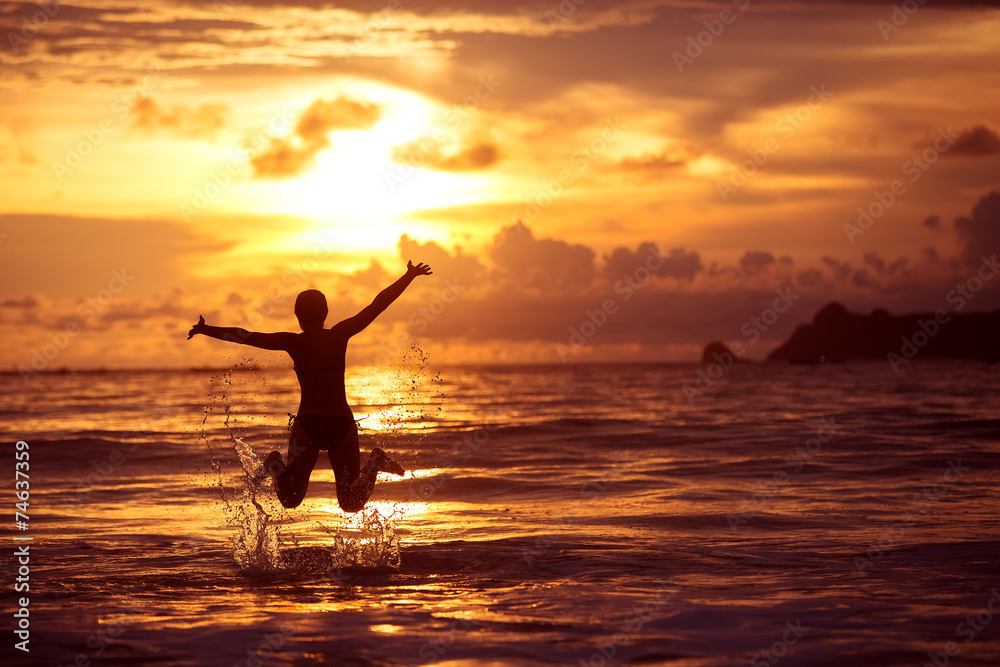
x,y
162,160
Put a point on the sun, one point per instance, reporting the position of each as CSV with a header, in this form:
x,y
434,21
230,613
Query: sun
x,y
356,184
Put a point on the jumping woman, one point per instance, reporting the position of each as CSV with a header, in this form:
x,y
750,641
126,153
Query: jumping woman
x,y
324,420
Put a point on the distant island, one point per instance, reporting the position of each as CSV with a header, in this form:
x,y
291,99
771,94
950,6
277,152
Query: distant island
x,y
838,335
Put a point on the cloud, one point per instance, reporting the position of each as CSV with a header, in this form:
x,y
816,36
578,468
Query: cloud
x,y
374,277
459,266
425,153
933,221
25,303
653,161
880,266
287,157
873,260
809,278
341,113
677,263
670,157
863,279
203,121
753,262
545,264
681,264
840,270
980,233
980,140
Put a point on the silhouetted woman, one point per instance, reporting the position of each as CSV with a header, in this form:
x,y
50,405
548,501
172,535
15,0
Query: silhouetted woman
x,y
324,420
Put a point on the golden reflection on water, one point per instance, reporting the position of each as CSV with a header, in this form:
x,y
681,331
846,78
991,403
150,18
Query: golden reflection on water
x,y
386,629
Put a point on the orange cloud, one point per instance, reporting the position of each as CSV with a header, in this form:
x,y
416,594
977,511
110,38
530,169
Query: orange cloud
x,y
427,154
203,121
291,156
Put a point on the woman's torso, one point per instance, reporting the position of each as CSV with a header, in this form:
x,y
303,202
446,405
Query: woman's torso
x,y
319,365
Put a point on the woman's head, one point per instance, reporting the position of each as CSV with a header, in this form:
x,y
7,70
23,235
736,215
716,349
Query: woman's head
x,y
310,308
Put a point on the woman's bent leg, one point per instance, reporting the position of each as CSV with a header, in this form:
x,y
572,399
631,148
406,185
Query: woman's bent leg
x,y
291,483
355,484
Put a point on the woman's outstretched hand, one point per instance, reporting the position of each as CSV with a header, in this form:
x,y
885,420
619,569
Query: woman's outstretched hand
x,y
420,269
199,328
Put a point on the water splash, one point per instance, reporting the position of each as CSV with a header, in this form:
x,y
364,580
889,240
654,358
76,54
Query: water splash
x,y
248,507
375,544
267,538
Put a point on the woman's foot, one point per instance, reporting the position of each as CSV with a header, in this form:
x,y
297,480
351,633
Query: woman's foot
x,y
273,464
385,464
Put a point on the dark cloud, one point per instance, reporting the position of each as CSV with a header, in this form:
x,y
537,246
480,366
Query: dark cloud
x,y
25,303
980,233
863,279
755,261
678,263
287,157
809,278
203,121
873,260
980,140
881,267
459,266
570,9
542,263
840,270
681,264
934,222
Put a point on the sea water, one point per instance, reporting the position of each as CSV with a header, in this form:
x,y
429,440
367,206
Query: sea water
x,y
590,514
